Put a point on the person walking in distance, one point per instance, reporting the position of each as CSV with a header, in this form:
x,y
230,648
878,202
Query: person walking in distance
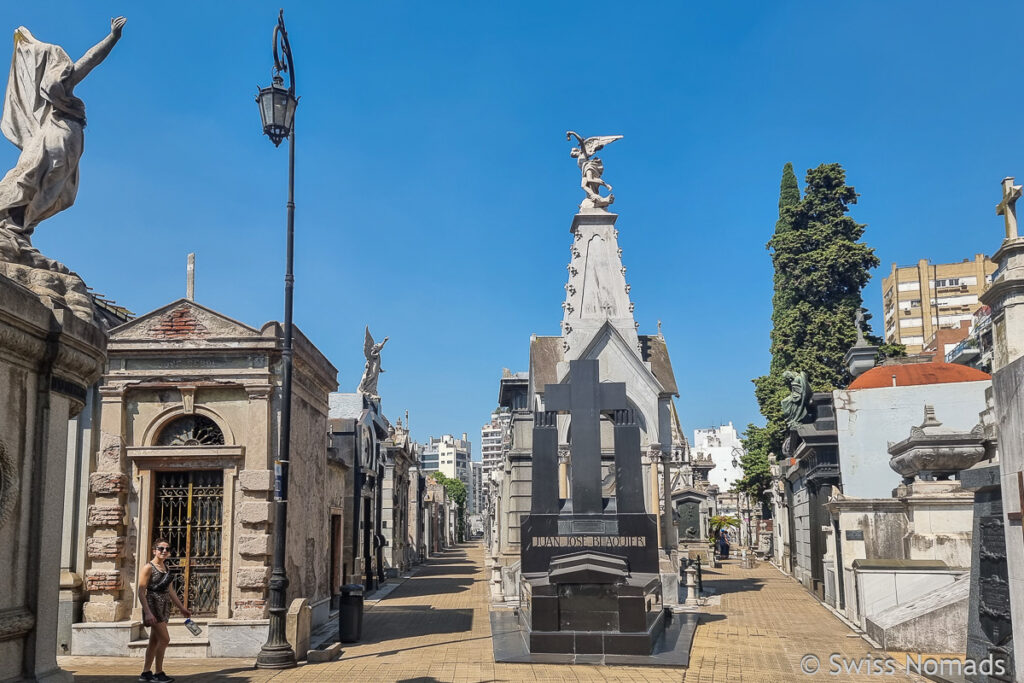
x,y
156,595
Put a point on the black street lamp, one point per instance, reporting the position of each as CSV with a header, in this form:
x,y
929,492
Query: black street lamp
x,y
277,109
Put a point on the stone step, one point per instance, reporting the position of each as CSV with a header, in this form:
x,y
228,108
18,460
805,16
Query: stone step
x,y
196,648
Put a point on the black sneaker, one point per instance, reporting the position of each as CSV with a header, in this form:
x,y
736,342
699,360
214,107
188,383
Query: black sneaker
x,y
161,677
146,676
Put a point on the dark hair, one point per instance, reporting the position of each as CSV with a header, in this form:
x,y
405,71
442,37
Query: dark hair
x,y
158,540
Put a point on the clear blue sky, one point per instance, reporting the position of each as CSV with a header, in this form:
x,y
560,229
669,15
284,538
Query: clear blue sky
x,y
435,188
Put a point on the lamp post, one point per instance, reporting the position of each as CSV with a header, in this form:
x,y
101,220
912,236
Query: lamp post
x,y
277,110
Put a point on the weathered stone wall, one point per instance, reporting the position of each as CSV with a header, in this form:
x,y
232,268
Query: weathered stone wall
x,y
312,489
867,420
49,360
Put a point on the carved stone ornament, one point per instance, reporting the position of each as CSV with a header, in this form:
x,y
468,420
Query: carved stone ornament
x,y
191,430
15,622
934,451
8,483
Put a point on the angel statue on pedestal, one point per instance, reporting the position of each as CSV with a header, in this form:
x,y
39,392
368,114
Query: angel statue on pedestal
x,y
368,384
45,120
591,168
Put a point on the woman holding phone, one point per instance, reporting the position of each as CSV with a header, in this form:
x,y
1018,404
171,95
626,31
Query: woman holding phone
x,y
156,595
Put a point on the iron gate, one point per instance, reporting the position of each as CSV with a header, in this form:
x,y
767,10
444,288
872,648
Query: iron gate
x,y
189,513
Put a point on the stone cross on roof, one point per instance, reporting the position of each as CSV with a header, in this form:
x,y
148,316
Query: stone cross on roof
x,y
1008,207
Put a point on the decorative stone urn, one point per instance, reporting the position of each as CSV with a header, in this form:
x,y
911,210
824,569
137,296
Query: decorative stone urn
x,y
935,452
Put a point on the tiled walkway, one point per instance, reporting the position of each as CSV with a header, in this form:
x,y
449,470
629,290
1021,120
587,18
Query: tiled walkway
x,y
435,627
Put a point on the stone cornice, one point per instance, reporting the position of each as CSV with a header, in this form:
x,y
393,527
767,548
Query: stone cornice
x,y
1000,290
15,622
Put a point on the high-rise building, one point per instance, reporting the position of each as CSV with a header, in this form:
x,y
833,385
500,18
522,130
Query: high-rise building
x,y
451,457
491,437
930,305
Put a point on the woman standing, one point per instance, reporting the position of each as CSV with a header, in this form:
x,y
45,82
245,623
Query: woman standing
x,y
156,596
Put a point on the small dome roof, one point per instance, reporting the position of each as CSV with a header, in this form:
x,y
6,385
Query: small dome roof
x,y
917,373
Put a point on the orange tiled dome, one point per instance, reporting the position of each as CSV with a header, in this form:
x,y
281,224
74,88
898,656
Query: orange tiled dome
x,y
917,373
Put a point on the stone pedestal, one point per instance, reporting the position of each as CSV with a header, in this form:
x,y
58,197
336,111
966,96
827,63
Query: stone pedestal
x,y
50,358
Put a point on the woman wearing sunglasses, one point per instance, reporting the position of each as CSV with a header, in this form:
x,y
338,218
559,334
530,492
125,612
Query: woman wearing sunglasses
x,y
156,595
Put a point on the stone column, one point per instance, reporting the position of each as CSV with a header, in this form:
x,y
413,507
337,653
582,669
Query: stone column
x,y
50,358
251,519
107,551
653,458
563,472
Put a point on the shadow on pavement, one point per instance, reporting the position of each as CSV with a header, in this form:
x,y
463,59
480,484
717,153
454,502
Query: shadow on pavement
x,y
722,586
412,621
221,674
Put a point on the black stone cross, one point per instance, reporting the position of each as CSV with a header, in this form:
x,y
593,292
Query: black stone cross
x,y
585,398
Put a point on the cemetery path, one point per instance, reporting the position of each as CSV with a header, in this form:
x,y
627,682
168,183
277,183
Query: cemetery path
x,y
435,627
761,624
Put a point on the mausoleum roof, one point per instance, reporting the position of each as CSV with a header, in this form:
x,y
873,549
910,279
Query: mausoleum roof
x,y
911,374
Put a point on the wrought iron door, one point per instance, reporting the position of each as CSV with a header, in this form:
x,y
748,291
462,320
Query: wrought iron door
x,y
189,513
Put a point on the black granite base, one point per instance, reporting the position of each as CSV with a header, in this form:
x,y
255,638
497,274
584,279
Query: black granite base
x,y
672,648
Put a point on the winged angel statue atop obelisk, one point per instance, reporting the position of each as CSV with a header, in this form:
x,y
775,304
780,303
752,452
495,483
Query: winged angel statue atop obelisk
x,y
46,121
368,384
592,168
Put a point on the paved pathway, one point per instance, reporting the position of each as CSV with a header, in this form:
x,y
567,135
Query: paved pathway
x,y
435,627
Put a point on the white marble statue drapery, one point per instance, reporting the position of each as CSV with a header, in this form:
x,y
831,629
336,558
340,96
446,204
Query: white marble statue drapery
x,y
46,121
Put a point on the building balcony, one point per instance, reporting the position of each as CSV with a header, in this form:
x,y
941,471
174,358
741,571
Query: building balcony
x,y
964,353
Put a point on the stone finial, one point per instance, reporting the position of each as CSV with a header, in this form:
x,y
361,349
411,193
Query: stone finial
x,y
1007,208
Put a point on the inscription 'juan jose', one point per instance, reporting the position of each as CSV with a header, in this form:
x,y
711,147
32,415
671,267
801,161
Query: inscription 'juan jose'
x,y
580,541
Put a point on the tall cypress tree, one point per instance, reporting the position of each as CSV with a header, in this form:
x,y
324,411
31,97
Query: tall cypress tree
x,y
820,270
759,441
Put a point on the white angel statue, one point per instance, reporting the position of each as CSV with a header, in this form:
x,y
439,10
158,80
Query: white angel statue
x,y
368,384
591,168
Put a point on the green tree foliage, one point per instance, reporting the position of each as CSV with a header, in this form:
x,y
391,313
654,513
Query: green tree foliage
x,y
719,523
755,462
820,270
455,489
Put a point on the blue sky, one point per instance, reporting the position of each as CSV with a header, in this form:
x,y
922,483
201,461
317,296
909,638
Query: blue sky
x,y
434,184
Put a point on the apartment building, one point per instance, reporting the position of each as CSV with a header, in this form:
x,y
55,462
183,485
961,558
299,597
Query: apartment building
x,y
491,438
922,301
451,457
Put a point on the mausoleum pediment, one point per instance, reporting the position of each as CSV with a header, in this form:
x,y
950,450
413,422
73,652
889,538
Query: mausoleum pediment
x,y
182,320
619,361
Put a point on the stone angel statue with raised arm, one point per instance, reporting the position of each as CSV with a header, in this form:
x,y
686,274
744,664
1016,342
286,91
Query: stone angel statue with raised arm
x,y
368,384
591,168
46,121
